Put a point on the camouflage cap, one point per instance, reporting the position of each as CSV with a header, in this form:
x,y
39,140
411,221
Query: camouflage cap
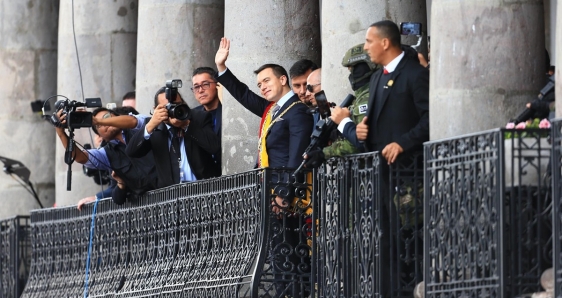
x,y
356,55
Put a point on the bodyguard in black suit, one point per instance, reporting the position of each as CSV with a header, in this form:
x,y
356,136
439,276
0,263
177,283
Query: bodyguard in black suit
x,y
397,124
194,160
398,117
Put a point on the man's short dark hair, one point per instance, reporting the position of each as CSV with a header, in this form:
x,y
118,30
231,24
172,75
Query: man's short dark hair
x,y
278,70
207,70
99,110
162,90
129,95
301,67
388,29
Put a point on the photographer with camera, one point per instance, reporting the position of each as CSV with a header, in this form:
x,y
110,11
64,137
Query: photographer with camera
x,y
137,175
182,140
102,177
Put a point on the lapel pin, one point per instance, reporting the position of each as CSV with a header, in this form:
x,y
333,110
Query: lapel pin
x,y
390,83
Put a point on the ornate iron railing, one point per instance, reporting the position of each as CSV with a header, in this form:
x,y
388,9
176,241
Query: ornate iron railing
x,y
370,226
406,220
211,238
15,255
487,214
486,222
349,227
556,136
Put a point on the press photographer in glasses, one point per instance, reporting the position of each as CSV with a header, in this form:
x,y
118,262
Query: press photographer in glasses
x,y
182,144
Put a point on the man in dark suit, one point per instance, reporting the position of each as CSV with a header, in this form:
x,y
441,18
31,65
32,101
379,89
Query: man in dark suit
x,y
285,134
397,120
205,90
398,117
299,72
183,150
289,134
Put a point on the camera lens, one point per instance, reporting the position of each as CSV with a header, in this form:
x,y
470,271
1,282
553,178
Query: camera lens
x,y
181,112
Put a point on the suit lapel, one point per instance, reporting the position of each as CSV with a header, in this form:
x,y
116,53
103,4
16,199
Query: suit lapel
x,y
375,78
379,104
281,110
284,107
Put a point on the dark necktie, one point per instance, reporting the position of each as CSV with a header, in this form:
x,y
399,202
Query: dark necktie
x,y
175,153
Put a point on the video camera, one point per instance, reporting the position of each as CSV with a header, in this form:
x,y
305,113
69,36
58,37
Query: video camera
x,y
324,126
75,119
179,111
541,105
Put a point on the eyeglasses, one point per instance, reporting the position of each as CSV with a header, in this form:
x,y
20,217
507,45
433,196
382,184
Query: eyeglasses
x,y
105,116
204,86
310,88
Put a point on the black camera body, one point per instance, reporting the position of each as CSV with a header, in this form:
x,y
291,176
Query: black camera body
x,y
75,119
179,111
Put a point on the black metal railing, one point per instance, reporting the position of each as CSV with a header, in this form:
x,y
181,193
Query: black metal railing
x,y
556,136
211,238
15,255
487,214
370,226
477,207
349,250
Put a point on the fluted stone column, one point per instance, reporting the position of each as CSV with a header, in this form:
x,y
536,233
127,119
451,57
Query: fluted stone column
x,y
344,24
106,34
28,51
280,32
175,37
487,61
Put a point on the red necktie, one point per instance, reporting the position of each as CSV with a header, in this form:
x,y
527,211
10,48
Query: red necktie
x,y
385,71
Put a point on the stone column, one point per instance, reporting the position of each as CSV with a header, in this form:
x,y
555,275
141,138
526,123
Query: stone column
x,y
344,24
106,34
550,8
487,61
175,37
280,32
28,51
558,71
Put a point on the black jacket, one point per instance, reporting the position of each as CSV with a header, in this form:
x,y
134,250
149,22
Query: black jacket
x,y
200,144
139,174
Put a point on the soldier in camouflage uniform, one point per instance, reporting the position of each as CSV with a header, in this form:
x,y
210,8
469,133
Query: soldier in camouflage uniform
x,y
361,68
